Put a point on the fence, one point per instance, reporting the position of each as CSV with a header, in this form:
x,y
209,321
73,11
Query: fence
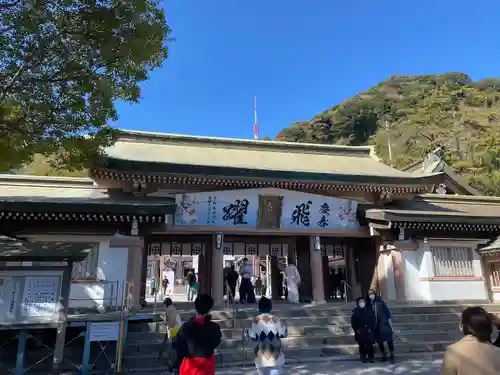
x,y
101,296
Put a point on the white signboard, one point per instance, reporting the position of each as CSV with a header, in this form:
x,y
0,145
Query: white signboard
x,y
105,331
40,296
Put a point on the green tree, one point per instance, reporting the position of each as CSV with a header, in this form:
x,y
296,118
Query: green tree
x,y
63,64
422,113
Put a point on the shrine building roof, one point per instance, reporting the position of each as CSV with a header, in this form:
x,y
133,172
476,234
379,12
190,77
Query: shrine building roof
x,y
25,197
13,249
440,212
173,158
434,162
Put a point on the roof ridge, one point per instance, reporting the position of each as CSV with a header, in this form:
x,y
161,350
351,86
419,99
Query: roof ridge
x,y
137,135
47,181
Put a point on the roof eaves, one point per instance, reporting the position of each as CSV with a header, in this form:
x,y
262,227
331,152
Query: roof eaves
x,y
459,181
130,166
467,199
431,217
413,166
31,180
492,248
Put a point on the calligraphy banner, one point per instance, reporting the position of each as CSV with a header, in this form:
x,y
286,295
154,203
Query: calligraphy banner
x,y
240,208
222,208
302,210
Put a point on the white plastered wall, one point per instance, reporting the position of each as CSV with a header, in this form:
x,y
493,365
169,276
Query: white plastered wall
x,y
107,290
419,275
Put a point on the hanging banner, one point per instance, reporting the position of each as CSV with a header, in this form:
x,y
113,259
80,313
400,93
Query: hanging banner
x,y
316,211
240,208
223,208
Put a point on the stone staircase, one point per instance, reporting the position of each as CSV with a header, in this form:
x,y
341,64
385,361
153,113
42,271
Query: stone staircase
x,y
314,332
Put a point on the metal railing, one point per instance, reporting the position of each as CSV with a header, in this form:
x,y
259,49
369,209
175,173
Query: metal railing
x,y
110,301
231,300
346,287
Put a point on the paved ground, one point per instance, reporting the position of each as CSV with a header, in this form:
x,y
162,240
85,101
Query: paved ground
x,y
423,366
413,366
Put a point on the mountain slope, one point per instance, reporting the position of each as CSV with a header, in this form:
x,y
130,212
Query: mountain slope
x,y
418,114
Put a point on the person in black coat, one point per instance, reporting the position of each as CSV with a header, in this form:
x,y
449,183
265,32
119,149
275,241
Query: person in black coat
x,y
363,325
383,323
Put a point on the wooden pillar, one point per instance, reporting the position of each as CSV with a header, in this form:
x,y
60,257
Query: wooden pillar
x,y
217,274
205,268
318,288
63,319
303,263
352,277
398,270
144,274
276,279
327,287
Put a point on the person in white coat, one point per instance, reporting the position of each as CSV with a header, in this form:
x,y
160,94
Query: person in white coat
x,y
293,281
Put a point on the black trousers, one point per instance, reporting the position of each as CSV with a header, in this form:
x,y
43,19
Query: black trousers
x,y
366,350
230,296
246,291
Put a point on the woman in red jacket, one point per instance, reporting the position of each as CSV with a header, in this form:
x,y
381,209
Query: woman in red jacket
x,y
198,338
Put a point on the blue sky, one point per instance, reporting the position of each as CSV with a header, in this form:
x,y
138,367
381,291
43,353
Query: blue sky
x,y
300,57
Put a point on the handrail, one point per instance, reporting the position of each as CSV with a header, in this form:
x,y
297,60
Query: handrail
x,y
346,288
230,297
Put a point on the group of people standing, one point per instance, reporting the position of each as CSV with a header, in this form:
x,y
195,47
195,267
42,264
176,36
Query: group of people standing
x,y
195,341
476,353
371,323
247,290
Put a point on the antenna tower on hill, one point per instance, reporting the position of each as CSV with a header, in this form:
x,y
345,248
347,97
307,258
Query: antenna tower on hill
x,y
255,125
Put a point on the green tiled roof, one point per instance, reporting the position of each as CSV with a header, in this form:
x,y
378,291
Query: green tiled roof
x,y
440,208
13,249
171,153
20,193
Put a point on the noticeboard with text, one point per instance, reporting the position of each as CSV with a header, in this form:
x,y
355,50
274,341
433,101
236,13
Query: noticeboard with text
x,y
28,297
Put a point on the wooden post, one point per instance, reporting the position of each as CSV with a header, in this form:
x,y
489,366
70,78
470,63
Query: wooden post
x,y
63,319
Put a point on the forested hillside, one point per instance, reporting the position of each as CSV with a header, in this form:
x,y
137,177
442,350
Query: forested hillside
x,y
418,114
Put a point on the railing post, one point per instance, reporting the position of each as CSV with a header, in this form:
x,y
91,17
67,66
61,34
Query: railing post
x,y
154,305
112,285
345,294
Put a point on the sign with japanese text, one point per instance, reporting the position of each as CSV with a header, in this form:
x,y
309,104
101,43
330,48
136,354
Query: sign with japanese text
x,y
302,210
221,208
241,208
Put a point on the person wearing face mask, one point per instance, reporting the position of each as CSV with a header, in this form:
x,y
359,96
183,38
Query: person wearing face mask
x,y
474,354
383,323
363,325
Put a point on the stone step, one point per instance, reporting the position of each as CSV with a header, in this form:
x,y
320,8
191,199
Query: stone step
x,y
323,320
332,310
298,330
154,345
345,319
230,357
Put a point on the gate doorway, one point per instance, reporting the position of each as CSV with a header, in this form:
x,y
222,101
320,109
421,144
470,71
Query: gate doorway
x,y
268,258
171,258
